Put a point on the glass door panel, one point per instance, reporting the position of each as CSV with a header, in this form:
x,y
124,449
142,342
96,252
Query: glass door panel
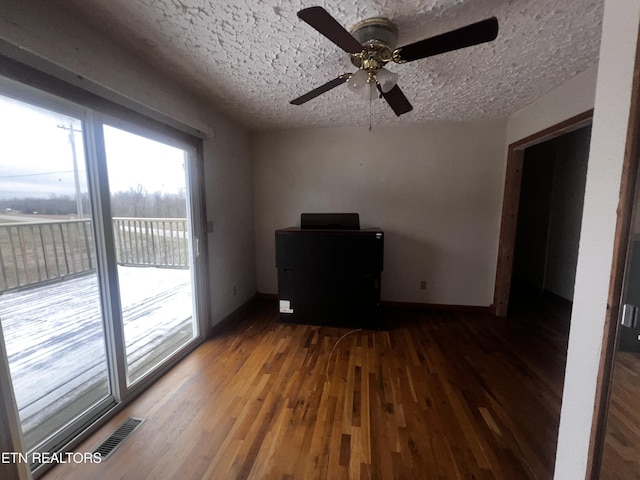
x,y
152,239
50,304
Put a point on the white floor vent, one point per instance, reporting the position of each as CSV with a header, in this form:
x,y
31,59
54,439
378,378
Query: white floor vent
x,y
107,447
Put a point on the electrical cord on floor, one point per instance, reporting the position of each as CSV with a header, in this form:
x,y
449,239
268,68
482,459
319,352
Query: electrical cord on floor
x,y
334,347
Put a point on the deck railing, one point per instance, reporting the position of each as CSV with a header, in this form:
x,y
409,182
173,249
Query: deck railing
x,y
158,242
32,253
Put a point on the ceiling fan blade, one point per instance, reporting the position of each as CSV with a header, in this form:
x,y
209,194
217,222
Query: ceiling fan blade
x,y
328,26
474,34
320,90
396,100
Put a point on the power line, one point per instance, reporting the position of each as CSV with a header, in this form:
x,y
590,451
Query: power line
x,y
36,174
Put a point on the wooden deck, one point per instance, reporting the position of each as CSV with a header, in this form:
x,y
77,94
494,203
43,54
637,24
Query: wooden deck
x,y
39,250
55,342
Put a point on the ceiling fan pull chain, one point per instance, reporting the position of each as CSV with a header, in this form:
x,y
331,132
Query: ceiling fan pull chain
x,y
369,112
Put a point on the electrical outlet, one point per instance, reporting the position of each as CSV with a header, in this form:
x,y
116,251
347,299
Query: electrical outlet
x,y
423,284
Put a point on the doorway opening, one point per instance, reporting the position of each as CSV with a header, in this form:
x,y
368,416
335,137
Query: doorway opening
x,y
545,256
549,270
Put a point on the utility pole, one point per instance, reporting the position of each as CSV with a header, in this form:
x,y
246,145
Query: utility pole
x,y
76,174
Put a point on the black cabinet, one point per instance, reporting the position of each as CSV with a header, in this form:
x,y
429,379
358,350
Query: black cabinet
x,y
329,277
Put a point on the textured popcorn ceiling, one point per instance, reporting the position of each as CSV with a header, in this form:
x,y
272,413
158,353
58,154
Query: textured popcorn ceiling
x,y
251,57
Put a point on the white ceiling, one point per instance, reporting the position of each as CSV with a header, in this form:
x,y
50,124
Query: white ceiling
x,y
250,57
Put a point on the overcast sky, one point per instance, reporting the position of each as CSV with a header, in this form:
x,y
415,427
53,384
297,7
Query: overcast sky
x,y
36,156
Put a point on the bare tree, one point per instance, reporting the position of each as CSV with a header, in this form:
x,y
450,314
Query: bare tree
x,y
139,195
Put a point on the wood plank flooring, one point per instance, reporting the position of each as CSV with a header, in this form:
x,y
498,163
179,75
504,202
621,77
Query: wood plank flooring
x,y
438,395
620,457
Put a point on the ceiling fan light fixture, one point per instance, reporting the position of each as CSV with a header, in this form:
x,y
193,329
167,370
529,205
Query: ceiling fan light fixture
x,y
363,84
358,81
368,92
386,79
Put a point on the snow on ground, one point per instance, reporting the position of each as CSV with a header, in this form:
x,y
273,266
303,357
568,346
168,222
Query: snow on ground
x,y
55,342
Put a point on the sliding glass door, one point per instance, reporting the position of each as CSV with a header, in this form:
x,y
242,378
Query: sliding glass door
x,y
98,259
50,304
150,214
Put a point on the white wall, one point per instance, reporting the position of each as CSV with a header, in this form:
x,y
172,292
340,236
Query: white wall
x,y
229,197
435,190
612,103
569,99
42,31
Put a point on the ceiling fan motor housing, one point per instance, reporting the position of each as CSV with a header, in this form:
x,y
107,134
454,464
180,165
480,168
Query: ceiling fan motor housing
x,y
378,37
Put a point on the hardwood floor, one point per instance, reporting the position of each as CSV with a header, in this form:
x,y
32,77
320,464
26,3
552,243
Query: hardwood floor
x,y
620,458
439,395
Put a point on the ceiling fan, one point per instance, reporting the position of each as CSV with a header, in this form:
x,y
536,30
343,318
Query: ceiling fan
x,y
371,45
